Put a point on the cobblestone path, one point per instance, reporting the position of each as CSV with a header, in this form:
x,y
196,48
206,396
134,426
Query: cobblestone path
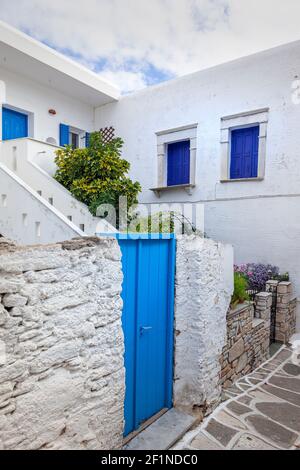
x,y
261,412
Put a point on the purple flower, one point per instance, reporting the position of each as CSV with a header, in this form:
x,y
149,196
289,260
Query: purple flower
x,y
257,274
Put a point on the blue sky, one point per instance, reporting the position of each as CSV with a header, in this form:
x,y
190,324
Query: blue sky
x,y
137,43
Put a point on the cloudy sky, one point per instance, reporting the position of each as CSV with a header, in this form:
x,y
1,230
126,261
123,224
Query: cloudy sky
x,y
137,43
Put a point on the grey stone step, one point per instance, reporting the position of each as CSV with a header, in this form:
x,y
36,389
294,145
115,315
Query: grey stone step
x,y
163,433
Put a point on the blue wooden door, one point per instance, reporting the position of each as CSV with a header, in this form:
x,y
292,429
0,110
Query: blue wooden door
x,y
148,295
14,124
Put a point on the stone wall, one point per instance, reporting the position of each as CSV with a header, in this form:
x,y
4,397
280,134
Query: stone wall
x,y
249,330
286,306
204,285
248,340
61,370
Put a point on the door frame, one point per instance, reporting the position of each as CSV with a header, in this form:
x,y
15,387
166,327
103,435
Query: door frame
x,y
170,334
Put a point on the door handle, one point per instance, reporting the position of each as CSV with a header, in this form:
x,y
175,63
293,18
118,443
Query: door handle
x,y
143,329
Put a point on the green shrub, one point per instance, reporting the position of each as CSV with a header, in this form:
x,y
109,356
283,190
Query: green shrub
x,y
240,294
96,175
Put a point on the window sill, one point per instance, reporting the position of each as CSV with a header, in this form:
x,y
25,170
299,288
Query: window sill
x,y
239,180
187,187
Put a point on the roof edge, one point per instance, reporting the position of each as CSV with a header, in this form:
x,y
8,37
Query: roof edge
x,y
55,60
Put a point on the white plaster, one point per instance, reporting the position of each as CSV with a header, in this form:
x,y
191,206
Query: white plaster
x,y
204,285
265,230
245,119
20,204
23,157
32,160
2,92
29,96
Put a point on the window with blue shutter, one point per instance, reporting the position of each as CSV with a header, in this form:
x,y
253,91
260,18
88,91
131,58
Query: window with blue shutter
x,y
179,163
14,124
244,153
87,139
64,135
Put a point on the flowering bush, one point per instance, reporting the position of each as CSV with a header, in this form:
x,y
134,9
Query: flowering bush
x,y
257,274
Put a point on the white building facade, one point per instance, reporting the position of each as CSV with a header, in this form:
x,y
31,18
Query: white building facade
x,y
255,208
226,137
46,101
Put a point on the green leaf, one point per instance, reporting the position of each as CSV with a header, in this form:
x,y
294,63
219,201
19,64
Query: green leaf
x,y
97,175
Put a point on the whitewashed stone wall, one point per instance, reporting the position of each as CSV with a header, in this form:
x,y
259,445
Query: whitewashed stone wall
x,y
62,380
204,285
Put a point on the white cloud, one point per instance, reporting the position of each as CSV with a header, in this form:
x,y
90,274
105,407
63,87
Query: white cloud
x,y
124,80
174,36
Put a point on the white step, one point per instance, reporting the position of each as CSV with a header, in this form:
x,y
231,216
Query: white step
x,y
163,433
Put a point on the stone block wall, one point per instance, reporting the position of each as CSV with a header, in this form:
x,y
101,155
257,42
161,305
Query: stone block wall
x,y
61,370
286,308
248,340
249,331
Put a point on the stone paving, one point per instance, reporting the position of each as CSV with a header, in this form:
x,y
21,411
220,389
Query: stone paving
x,y
260,412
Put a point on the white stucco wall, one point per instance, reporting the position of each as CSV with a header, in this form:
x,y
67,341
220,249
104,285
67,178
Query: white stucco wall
x,y
62,375
260,81
204,285
22,157
266,230
36,99
32,160
266,80
27,218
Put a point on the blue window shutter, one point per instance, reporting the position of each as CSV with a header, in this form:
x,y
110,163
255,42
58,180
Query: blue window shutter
x,y
244,153
179,163
87,139
64,135
14,124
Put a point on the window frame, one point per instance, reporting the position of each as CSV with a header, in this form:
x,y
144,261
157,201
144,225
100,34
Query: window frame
x,y
171,136
75,136
80,135
28,114
242,121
